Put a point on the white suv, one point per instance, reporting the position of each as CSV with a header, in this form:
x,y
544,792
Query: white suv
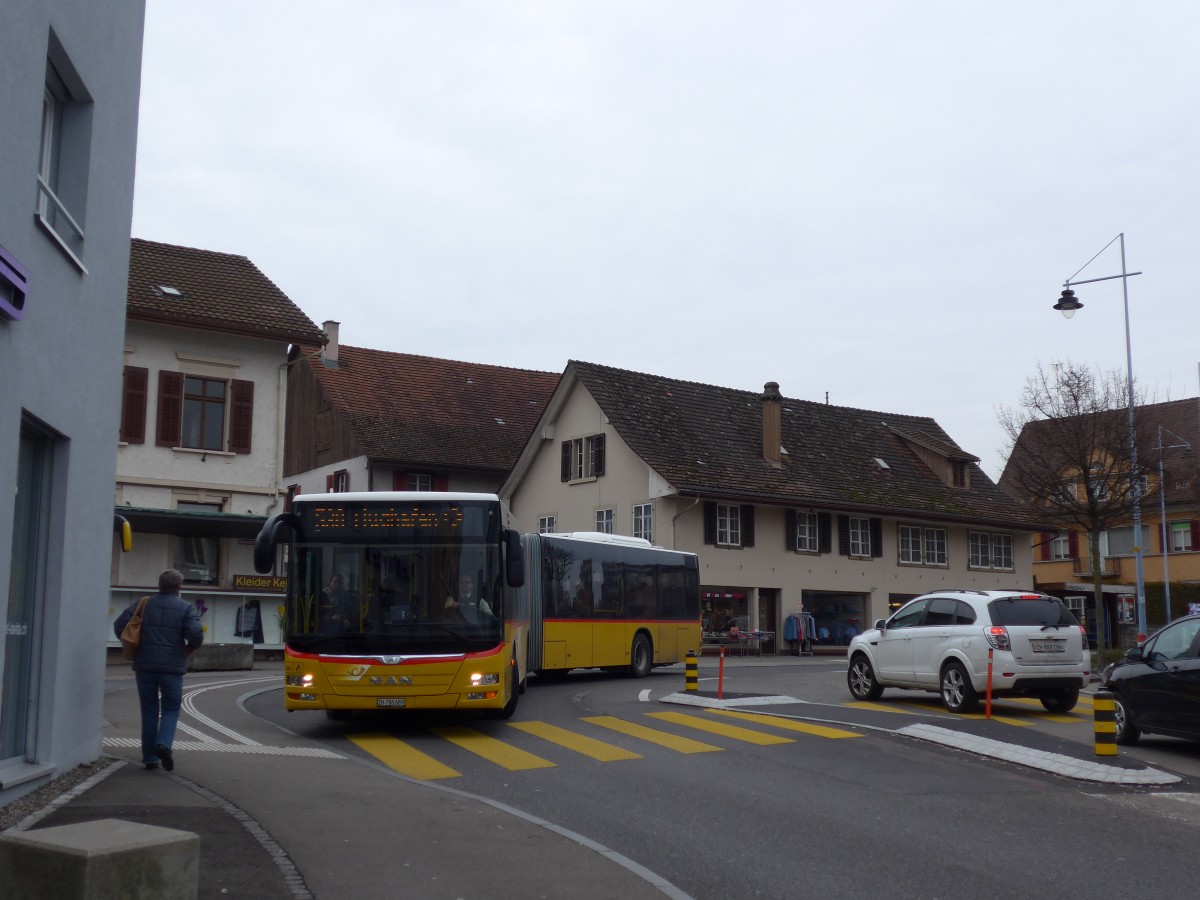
x,y
940,643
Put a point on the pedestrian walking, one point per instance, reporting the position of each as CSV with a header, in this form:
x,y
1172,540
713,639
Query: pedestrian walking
x,y
170,634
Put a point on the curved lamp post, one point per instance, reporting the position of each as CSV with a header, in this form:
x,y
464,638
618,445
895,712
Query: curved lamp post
x,y
1068,304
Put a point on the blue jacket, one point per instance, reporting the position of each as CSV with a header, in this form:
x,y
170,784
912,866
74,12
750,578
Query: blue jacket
x,y
169,625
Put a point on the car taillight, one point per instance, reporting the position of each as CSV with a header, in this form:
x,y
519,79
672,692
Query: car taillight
x,y
1083,635
997,636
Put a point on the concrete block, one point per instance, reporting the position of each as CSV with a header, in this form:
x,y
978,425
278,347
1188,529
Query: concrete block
x,y
101,860
213,657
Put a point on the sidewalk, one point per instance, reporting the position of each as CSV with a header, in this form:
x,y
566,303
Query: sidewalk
x,y
281,817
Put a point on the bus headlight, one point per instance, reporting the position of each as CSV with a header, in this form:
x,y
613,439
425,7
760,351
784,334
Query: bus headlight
x,y
478,678
304,680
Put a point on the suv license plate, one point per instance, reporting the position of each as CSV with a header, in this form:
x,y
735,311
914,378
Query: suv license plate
x,y
390,702
1048,646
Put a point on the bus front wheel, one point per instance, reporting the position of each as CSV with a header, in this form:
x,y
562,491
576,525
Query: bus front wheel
x,y
641,657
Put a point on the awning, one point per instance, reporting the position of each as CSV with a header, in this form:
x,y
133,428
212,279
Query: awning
x,y
191,523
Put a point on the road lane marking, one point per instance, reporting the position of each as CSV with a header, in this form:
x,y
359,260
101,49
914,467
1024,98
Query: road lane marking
x,y
402,758
729,731
789,724
504,755
652,735
598,750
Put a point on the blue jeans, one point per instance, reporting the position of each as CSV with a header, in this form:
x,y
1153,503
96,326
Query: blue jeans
x,y
158,720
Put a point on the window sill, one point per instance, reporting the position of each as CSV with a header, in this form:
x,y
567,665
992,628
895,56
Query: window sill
x,y
587,480
200,452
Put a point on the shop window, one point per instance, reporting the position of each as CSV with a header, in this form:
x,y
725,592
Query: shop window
x,y
198,556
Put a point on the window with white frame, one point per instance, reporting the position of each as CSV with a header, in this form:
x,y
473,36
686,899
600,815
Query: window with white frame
x,y
65,152
643,521
1060,546
808,536
1098,486
546,525
1181,537
990,551
420,481
604,521
583,458
922,546
860,537
729,525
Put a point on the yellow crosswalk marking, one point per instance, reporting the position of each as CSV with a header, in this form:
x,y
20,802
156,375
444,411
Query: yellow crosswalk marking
x,y
878,707
579,743
402,758
504,755
662,738
789,724
729,731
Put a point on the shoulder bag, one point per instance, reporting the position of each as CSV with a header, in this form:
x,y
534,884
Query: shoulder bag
x,y
131,634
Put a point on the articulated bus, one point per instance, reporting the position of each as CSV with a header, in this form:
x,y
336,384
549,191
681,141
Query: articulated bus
x,y
427,601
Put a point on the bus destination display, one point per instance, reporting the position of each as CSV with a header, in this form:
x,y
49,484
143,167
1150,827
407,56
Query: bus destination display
x,y
380,520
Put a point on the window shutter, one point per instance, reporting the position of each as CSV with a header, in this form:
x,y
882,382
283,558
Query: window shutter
x,y
241,415
441,482
747,514
170,408
877,537
1195,534
825,531
1073,544
565,474
710,522
329,484
844,535
598,454
1044,545
399,481
789,537
133,405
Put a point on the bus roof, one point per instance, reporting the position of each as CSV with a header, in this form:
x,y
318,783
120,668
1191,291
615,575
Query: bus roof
x,y
396,497
602,537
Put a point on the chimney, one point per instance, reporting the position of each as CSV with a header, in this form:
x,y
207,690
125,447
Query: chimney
x,y
329,356
772,429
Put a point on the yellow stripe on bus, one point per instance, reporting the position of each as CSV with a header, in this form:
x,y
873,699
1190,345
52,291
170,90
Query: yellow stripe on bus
x,y
598,750
504,755
402,758
662,738
729,731
789,724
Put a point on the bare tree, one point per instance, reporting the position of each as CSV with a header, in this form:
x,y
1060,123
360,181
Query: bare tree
x,y
1069,455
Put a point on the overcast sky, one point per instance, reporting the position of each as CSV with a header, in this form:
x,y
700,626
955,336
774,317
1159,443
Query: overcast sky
x,y
876,202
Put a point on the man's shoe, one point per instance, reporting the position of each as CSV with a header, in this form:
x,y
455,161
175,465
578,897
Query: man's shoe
x,y
164,753
150,766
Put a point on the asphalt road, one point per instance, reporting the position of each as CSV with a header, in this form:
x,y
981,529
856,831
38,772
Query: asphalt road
x,y
726,807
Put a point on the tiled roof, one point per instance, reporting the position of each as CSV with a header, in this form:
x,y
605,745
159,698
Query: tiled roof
x,y
216,291
707,440
1180,420
410,408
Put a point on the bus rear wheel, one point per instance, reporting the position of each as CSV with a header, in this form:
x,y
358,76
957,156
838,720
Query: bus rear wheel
x,y
641,657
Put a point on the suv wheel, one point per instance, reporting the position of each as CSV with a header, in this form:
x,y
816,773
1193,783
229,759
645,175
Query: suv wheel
x,y
860,678
1061,702
958,694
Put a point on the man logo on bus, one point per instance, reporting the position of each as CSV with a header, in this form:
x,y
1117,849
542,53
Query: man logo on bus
x,y
390,680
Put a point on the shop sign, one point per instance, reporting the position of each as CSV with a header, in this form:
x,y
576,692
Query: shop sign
x,y
260,583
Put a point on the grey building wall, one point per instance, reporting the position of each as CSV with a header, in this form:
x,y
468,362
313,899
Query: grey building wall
x,y
60,363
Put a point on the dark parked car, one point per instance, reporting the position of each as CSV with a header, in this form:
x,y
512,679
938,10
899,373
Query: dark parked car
x,y
1157,685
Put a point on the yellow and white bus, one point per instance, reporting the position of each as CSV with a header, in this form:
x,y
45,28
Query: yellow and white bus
x,y
399,601
606,601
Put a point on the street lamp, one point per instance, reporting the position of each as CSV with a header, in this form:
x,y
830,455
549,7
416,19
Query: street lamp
x,y
1068,304
1162,506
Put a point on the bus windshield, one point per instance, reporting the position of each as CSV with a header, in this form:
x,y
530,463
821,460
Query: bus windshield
x,y
370,577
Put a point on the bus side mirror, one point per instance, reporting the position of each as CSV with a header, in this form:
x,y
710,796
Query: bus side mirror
x,y
268,539
122,527
514,559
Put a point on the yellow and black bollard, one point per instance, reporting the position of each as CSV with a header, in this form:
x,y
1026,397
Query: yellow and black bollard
x,y
1104,716
691,672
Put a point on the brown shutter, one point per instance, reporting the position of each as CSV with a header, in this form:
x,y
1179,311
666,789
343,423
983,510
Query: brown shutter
x,y
399,481
566,461
598,455
747,523
170,408
877,537
1073,544
329,483
710,522
133,405
441,482
241,415
1195,525
844,535
825,531
789,526
1044,545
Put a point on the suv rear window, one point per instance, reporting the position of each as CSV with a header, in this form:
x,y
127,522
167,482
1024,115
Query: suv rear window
x,y
1016,610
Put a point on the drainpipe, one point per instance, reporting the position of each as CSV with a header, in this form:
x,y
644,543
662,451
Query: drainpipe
x,y
676,516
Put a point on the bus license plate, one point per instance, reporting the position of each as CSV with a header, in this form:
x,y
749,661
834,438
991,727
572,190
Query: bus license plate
x,y
390,702
1048,646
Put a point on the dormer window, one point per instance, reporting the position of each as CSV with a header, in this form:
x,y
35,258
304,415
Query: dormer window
x,y
958,474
